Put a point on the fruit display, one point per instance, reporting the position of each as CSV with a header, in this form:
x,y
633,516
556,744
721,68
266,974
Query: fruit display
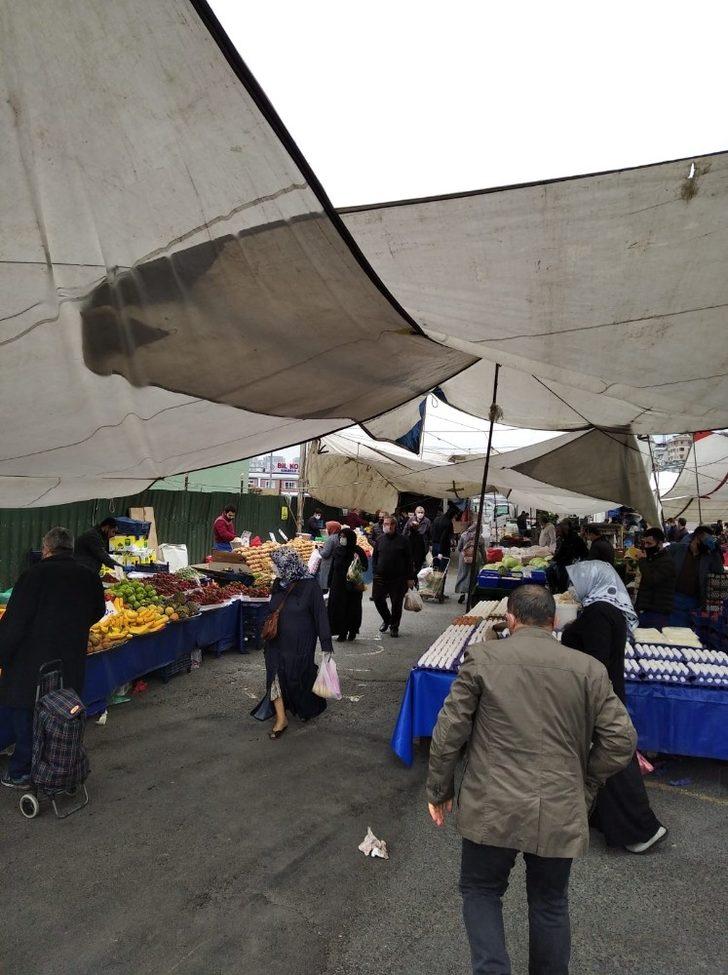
x,y
118,627
166,584
136,594
212,595
189,574
182,606
252,592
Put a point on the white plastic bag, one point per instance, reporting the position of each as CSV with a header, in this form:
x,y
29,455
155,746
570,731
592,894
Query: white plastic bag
x,y
412,601
327,682
314,562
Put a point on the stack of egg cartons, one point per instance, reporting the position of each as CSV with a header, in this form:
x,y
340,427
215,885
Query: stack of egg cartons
x,y
707,667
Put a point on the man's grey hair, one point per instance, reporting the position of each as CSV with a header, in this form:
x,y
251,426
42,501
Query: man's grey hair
x,y
532,605
58,540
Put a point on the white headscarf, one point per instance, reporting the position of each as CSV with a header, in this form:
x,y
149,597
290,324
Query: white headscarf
x,y
598,582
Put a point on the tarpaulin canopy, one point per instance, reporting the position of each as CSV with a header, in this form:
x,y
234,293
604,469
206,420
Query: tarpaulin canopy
x,y
603,297
577,473
711,485
176,291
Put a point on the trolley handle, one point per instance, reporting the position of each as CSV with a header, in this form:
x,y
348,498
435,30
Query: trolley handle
x,y
47,671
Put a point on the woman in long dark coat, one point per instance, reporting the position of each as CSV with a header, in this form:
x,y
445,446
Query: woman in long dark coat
x,y
622,811
344,597
289,658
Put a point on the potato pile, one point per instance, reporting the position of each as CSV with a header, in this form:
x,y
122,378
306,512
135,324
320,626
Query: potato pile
x,y
303,547
258,560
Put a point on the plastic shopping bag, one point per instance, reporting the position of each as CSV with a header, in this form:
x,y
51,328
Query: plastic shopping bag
x,y
412,601
327,682
646,767
314,562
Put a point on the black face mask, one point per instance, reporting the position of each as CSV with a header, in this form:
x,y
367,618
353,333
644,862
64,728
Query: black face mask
x,y
650,553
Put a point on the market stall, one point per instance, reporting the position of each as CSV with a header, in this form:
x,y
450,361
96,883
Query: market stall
x,y
677,690
157,623
234,626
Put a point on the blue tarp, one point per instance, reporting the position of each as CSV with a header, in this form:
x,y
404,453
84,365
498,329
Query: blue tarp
x,y
217,630
689,721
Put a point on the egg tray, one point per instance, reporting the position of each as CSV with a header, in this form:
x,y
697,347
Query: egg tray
x,y
470,634
697,666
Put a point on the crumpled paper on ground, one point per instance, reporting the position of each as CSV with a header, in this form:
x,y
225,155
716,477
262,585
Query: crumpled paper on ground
x,y
370,846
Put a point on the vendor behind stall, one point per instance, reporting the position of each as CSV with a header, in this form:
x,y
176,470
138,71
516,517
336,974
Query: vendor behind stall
x,y
92,548
223,529
600,548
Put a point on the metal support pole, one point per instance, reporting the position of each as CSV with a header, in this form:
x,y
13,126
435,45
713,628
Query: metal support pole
x,y
657,480
697,480
479,526
301,488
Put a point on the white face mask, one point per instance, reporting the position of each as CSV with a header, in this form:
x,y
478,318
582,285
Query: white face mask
x,y
342,541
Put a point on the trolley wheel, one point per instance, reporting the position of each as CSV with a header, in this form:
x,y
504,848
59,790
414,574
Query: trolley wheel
x,y
29,805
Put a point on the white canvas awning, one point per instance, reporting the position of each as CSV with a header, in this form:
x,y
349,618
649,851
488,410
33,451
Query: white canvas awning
x,y
176,290
604,297
711,484
577,473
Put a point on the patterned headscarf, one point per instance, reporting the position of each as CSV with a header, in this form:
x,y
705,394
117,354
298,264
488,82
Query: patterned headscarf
x,y
290,567
598,582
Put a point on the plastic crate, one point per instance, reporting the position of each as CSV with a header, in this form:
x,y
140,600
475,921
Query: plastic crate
x,y
181,665
130,526
487,579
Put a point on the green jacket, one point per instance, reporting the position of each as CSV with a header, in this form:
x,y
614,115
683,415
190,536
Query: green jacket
x,y
543,730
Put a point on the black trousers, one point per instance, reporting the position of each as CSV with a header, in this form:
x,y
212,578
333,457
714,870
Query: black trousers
x,y
623,812
483,882
394,590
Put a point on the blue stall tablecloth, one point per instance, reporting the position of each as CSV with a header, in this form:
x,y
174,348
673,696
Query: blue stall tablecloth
x,y
689,721
216,630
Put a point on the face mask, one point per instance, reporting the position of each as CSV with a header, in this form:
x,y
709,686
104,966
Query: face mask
x,y
650,553
342,541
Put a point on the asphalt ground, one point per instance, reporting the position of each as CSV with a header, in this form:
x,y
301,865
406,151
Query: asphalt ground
x,y
209,850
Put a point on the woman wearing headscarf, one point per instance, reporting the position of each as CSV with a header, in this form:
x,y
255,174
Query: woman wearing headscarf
x,y
327,553
289,657
468,552
622,811
345,596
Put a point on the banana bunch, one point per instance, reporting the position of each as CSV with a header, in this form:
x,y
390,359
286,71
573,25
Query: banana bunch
x,y
125,623
108,632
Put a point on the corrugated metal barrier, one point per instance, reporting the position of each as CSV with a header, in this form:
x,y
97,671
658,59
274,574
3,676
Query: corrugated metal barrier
x,y
182,517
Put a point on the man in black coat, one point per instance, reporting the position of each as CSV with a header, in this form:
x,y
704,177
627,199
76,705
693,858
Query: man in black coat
x,y
442,533
570,548
92,548
601,548
51,610
658,575
393,575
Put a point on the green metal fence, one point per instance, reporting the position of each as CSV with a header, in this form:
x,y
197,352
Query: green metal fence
x,y
181,517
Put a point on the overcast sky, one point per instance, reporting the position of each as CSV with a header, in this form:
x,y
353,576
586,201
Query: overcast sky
x,y
407,98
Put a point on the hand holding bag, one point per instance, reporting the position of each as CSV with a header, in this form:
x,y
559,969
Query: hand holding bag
x,y
355,574
269,630
413,601
327,681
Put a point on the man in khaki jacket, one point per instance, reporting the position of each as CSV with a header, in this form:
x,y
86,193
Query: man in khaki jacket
x,y
544,730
